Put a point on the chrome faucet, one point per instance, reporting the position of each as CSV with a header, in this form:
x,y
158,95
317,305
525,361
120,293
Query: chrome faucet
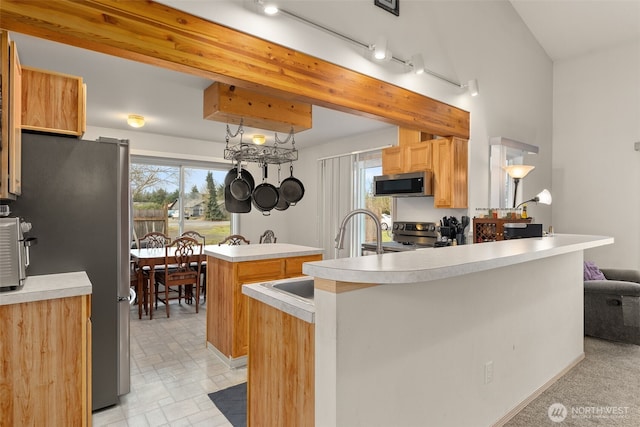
x,y
340,236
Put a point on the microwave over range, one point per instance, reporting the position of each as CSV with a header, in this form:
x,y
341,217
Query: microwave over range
x,y
410,184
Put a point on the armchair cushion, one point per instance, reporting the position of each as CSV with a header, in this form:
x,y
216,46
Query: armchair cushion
x,y
612,306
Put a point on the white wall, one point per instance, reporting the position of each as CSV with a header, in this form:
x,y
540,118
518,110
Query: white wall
x,y
400,354
596,172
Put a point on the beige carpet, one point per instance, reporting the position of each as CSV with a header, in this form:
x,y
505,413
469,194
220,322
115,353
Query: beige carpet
x,y
602,390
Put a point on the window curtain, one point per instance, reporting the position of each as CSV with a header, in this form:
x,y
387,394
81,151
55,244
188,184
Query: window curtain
x,y
335,200
343,185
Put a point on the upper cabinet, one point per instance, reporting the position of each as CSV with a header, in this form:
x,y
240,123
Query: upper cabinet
x,y
413,153
450,171
53,102
10,120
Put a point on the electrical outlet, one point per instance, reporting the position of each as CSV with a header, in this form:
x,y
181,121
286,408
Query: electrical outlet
x,y
488,372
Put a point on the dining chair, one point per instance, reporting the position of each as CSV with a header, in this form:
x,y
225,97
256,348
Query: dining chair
x,y
183,255
203,265
234,240
151,240
268,237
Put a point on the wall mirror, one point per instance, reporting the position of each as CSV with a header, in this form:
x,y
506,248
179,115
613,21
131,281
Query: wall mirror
x,y
505,152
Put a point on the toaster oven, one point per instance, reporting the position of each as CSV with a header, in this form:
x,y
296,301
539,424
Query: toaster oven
x,y
14,253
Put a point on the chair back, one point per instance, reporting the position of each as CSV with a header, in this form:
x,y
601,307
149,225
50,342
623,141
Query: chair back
x,y
153,240
184,256
268,237
234,240
196,236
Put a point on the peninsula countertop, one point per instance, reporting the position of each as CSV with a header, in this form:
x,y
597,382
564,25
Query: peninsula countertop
x,y
240,253
429,264
49,286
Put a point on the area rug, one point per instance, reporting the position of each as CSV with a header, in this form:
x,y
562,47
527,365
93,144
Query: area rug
x,y
232,402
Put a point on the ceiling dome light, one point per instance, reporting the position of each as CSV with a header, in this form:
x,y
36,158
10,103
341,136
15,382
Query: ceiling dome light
x,y
135,121
258,139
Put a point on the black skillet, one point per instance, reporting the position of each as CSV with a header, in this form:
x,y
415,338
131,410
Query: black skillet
x,y
240,187
232,204
265,196
292,189
282,205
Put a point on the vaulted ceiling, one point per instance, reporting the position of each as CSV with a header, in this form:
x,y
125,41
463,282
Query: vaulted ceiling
x,y
172,102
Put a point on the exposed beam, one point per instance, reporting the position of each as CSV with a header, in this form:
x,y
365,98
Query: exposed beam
x,y
156,34
230,104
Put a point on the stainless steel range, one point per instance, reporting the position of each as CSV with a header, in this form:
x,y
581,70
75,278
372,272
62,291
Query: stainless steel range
x,y
408,236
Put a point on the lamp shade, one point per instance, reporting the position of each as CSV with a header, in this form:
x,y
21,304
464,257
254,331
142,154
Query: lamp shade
x,y
518,171
544,197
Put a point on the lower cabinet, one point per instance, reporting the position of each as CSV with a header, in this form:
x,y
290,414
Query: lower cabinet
x,y
227,307
280,374
45,351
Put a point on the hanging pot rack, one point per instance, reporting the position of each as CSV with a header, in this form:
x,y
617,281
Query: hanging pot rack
x,y
262,154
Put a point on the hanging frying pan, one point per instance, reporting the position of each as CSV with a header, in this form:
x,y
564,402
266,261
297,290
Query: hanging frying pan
x,y
265,196
282,205
232,204
292,189
240,187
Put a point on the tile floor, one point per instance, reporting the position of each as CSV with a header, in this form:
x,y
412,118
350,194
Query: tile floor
x,y
172,372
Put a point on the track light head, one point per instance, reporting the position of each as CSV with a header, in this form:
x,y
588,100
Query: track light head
x,y
379,51
417,64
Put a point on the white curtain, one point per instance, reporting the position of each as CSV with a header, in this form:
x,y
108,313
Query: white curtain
x,y
335,200
342,184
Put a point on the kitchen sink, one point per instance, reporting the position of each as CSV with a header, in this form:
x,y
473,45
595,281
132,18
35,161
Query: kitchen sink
x,y
299,287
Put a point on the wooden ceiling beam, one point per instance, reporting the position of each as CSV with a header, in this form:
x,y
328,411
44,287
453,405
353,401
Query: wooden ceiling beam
x,y
156,34
229,104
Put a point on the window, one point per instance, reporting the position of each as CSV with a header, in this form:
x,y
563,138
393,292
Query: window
x,y
177,196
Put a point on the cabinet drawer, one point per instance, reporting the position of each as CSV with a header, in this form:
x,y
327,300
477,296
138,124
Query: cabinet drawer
x,y
252,271
293,266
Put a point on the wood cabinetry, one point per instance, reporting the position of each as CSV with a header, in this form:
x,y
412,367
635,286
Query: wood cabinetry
x,y
281,368
10,120
450,169
492,229
227,307
53,102
45,348
413,153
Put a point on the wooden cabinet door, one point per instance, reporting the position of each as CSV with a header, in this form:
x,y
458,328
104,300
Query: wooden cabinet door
x,y
418,156
450,169
15,108
442,163
393,160
52,102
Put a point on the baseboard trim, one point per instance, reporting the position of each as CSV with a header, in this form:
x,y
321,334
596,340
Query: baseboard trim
x,y
237,362
519,407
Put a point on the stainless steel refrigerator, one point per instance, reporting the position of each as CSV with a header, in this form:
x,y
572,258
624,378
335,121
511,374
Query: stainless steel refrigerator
x,y
75,193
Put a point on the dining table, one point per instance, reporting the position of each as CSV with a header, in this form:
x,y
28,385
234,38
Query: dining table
x,y
148,259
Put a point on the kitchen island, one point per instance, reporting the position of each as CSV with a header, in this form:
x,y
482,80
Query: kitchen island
x,y
454,336
228,268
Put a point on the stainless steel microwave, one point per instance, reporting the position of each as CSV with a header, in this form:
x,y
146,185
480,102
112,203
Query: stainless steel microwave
x,y
410,184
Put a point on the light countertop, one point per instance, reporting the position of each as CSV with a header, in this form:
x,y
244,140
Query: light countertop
x,y
302,309
242,253
428,264
49,286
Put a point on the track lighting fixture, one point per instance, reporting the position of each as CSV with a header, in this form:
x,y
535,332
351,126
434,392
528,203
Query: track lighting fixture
x,y
379,50
472,86
417,64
